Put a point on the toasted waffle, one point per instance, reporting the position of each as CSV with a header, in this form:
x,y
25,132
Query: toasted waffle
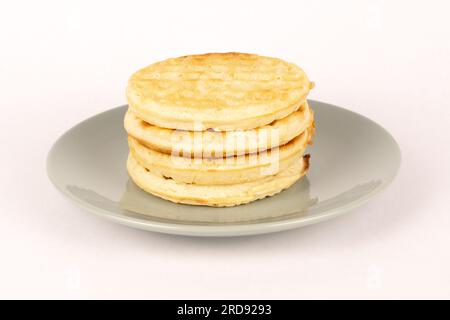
x,y
216,195
220,91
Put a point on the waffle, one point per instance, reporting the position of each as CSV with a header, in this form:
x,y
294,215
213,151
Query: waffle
x,y
214,171
220,91
216,195
217,143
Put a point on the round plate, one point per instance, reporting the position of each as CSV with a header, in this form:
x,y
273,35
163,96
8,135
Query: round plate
x,y
352,159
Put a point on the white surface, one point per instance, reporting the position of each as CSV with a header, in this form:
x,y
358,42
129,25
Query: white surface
x,y
61,62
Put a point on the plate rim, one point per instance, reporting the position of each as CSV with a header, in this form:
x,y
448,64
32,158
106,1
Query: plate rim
x,y
226,230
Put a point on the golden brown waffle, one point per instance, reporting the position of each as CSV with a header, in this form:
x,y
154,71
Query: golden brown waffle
x,y
217,195
220,171
223,91
217,143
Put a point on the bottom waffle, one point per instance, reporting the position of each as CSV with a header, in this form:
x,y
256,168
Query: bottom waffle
x,y
215,195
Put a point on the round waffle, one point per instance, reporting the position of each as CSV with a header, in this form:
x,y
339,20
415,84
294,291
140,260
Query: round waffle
x,y
218,143
212,171
217,195
220,91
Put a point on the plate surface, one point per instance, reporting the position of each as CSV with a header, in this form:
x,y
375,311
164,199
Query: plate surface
x,y
352,159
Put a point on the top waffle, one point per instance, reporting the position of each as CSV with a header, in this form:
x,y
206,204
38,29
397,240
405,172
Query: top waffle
x,y
220,91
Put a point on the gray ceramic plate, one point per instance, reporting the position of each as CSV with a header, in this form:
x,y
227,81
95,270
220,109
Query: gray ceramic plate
x,y
352,159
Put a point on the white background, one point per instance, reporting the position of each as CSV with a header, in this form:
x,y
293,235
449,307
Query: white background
x,y
61,62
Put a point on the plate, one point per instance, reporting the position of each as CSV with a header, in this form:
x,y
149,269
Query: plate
x,y
352,159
